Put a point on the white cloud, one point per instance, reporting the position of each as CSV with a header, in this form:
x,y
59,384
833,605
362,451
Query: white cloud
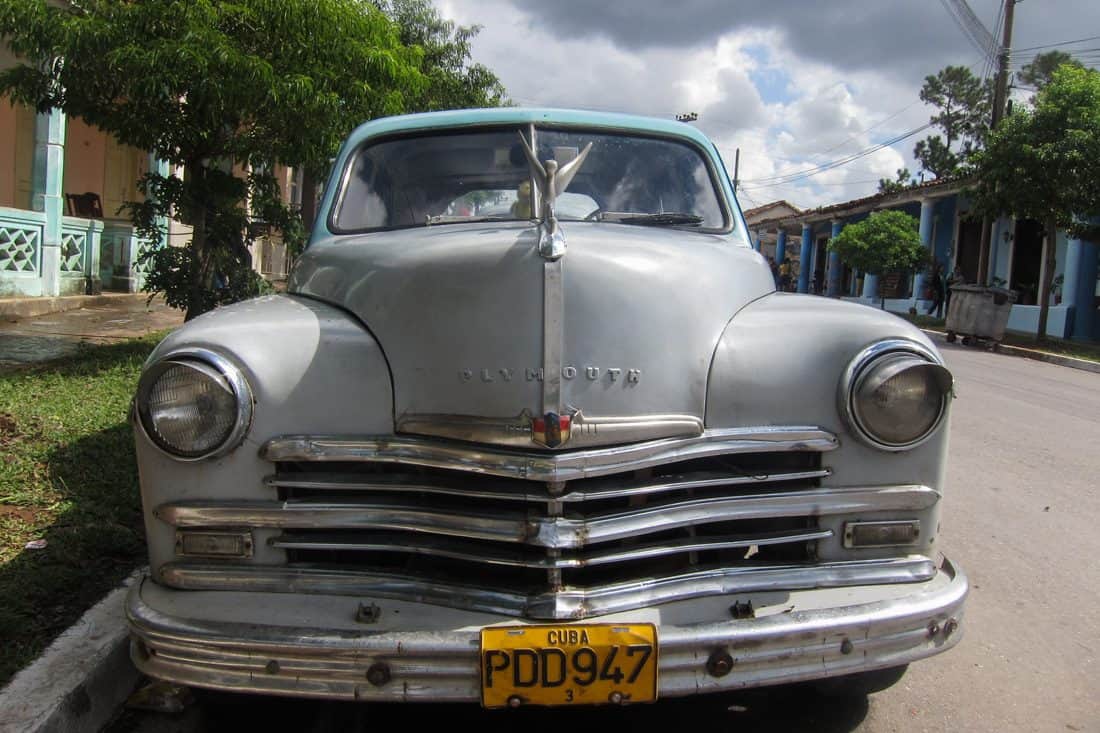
x,y
760,81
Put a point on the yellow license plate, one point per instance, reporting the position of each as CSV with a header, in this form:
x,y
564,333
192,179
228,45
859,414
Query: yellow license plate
x,y
575,664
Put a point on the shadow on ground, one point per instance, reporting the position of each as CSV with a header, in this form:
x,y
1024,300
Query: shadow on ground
x,y
97,538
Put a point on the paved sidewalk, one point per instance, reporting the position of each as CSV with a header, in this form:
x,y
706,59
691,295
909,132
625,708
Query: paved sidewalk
x,y
33,339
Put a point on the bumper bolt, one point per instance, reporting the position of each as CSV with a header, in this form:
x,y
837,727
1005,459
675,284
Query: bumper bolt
x,y
272,667
515,701
720,663
615,698
933,629
846,646
378,674
950,627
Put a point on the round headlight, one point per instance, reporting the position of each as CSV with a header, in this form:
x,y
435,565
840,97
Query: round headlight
x,y
894,394
194,405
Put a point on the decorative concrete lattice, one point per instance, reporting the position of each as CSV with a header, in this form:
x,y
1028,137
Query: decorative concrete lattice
x,y
18,248
141,265
73,247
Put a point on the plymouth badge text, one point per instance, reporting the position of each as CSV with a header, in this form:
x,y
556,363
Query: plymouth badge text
x,y
591,373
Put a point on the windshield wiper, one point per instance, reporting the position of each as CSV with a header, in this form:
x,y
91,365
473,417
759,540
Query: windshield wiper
x,y
666,218
453,219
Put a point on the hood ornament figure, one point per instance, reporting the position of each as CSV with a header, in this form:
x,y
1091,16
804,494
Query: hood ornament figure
x,y
551,181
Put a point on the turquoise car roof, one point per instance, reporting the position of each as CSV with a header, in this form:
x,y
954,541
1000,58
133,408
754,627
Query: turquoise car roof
x,y
518,115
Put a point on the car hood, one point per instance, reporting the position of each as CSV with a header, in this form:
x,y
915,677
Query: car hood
x,y
458,310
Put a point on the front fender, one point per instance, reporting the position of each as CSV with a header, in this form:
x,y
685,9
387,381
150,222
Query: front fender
x,y
312,369
780,361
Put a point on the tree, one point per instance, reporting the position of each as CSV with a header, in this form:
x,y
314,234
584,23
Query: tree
x,y
1044,164
1040,71
903,180
963,102
883,242
453,81
224,90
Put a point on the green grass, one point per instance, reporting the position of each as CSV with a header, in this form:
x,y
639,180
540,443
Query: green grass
x,y
67,476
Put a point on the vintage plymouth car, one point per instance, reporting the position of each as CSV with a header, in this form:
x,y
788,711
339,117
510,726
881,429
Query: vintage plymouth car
x,y
532,427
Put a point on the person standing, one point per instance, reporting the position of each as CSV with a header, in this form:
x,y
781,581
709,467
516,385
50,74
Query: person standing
x,y
785,274
937,287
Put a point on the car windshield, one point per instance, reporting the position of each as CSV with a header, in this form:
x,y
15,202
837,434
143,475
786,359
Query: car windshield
x,y
456,177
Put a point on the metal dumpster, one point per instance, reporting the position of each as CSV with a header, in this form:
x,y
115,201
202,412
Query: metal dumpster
x,y
978,312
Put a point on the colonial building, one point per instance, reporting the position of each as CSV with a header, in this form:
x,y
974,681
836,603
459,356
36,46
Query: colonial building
x,y
953,234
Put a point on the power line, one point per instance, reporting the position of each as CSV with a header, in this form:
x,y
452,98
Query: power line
x,y
1053,45
807,173
970,25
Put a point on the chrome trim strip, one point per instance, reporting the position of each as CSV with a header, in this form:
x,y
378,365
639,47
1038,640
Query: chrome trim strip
x,y
494,555
571,603
175,640
586,431
553,332
567,466
483,489
552,532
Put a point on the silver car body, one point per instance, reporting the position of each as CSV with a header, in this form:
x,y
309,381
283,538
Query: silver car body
x,y
394,393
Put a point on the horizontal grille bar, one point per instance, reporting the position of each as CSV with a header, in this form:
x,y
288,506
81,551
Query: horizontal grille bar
x,y
541,531
566,466
570,603
505,555
482,488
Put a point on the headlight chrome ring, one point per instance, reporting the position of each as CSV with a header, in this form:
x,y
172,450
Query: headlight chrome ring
x,y
894,394
194,404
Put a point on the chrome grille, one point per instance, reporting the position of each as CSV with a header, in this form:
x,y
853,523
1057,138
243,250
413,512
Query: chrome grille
x,y
717,516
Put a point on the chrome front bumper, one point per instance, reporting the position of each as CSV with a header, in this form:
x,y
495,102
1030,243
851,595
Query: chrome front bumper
x,y
314,646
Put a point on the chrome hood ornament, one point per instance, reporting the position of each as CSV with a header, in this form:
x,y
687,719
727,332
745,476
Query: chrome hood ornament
x,y
551,181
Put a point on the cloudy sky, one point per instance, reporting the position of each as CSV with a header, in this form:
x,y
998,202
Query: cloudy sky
x,y
793,84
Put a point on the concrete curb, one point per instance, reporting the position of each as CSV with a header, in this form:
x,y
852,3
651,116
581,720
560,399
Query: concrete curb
x,y
1066,361
77,684
32,307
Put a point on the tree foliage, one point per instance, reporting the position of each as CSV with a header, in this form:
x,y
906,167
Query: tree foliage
x,y
453,81
903,179
963,103
885,241
1040,71
1044,163
225,90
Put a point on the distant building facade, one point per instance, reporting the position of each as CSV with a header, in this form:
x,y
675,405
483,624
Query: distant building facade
x,y
953,235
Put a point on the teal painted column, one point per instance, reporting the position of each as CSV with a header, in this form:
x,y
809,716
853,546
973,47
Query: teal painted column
x,y
780,246
47,177
759,241
832,287
1079,286
926,208
806,256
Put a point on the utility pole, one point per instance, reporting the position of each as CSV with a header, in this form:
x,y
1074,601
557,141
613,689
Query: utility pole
x,y
1000,92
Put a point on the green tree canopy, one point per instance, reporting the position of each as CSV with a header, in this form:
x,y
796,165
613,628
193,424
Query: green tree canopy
x,y
1040,71
225,90
1044,164
883,242
963,102
453,80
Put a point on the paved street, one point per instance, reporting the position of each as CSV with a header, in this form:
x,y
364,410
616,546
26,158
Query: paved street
x,y
1020,518
28,340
